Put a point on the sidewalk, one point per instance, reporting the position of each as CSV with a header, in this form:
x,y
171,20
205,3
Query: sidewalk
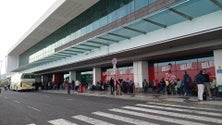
x,y
172,99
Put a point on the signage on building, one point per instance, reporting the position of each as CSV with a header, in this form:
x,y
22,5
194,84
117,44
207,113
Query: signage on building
x,y
165,68
114,62
219,70
186,66
207,64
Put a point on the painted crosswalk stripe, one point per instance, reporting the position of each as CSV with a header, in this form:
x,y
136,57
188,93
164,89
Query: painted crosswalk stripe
x,y
31,124
61,122
183,106
156,117
168,113
180,110
92,121
122,118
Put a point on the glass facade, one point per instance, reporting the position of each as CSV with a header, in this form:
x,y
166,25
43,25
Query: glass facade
x,y
105,12
101,14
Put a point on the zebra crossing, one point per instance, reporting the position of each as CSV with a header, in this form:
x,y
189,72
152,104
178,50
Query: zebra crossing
x,y
150,113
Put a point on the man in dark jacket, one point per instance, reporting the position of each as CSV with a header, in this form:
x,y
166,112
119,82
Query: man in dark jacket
x,y
199,79
207,83
111,82
186,81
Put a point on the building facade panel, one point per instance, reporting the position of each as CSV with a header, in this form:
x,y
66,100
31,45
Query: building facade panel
x,y
173,36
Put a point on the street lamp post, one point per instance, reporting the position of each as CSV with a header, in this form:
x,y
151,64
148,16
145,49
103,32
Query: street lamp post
x,y
114,62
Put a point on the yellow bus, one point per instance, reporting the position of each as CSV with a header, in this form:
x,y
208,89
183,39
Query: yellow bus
x,y
22,81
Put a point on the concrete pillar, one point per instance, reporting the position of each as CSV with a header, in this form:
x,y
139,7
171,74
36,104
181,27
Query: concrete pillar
x,y
42,79
45,79
140,70
72,76
96,75
218,68
12,62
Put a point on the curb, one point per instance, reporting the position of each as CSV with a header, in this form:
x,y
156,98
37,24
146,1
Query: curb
x,y
153,98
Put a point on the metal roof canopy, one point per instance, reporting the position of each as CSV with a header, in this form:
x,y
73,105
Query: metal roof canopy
x,y
60,13
187,10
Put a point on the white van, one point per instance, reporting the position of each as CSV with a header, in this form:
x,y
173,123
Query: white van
x,y
22,81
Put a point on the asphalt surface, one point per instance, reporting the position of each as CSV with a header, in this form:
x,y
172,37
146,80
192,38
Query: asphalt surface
x,y
40,108
20,108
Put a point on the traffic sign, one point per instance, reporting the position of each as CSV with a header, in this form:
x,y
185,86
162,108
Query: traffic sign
x,y
114,62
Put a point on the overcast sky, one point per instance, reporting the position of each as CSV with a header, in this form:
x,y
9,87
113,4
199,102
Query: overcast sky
x,y
17,17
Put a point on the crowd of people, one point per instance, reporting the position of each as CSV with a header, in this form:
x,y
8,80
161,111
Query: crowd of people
x,y
175,86
200,86
205,85
117,87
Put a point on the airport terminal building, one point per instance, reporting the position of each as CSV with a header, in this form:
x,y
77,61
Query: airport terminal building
x,y
94,40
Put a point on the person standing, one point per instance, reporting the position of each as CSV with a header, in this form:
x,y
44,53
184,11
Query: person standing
x,y
68,87
179,86
207,83
73,84
118,89
132,87
162,85
186,81
145,86
154,85
213,87
77,83
111,82
199,79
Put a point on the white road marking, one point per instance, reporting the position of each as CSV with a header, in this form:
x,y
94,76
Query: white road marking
x,y
16,101
34,108
183,106
31,124
61,122
180,110
6,97
156,117
69,99
92,121
122,118
168,113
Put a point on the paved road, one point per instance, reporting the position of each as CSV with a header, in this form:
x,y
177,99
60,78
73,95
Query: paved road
x,y
36,108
